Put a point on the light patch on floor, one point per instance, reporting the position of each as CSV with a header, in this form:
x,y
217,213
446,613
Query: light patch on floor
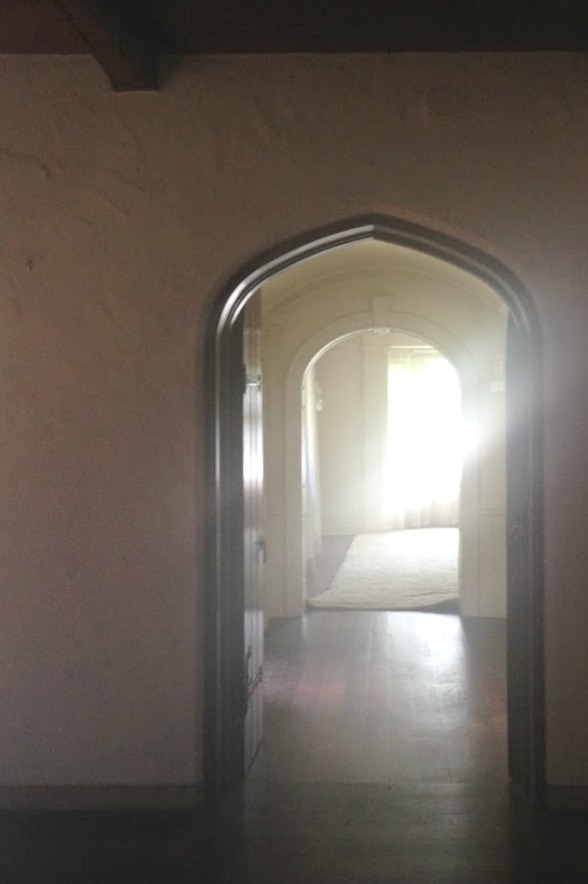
x,y
396,570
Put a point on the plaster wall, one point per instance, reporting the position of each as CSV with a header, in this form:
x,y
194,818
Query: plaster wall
x,y
121,216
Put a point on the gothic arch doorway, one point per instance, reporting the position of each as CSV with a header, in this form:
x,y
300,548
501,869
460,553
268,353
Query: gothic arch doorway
x,y
227,674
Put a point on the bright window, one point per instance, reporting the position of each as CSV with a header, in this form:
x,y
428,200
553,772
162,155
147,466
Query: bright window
x,y
424,446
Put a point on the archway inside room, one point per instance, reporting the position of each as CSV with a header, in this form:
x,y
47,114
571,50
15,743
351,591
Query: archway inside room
x,y
417,254
382,439
376,290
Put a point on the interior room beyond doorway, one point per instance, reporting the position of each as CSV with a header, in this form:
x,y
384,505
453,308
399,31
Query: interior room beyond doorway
x,y
399,467
352,299
376,696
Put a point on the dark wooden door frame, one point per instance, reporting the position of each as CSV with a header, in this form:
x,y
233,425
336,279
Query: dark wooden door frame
x,y
224,513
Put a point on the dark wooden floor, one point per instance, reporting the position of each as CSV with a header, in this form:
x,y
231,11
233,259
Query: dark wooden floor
x,y
384,763
387,698
385,759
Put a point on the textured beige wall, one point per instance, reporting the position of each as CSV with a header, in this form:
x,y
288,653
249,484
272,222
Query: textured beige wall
x,y
121,215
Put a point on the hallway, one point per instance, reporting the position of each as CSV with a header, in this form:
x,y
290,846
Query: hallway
x,y
388,698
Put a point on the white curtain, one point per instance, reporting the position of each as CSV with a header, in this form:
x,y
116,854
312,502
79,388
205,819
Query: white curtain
x,y
311,500
423,464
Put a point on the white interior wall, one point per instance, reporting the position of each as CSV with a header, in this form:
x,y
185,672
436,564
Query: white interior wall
x,y
341,438
122,217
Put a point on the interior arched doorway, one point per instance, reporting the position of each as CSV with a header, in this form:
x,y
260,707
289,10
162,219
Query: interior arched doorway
x,y
288,536
227,676
360,504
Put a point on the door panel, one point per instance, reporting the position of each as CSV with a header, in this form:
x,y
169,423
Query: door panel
x,y
254,542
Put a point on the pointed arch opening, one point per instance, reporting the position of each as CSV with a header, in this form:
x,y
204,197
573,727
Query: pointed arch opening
x,y
226,699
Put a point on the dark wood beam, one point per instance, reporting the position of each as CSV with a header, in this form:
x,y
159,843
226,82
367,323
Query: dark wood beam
x,y
129,62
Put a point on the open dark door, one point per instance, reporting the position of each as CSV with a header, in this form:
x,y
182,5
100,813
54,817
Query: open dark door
x,y
524,563
235,551
254,542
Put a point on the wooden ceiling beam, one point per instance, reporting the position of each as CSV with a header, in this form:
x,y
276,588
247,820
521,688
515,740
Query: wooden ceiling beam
x,y
129,62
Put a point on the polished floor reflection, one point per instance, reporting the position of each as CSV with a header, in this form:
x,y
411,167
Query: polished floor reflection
x,y
385,759
387,698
